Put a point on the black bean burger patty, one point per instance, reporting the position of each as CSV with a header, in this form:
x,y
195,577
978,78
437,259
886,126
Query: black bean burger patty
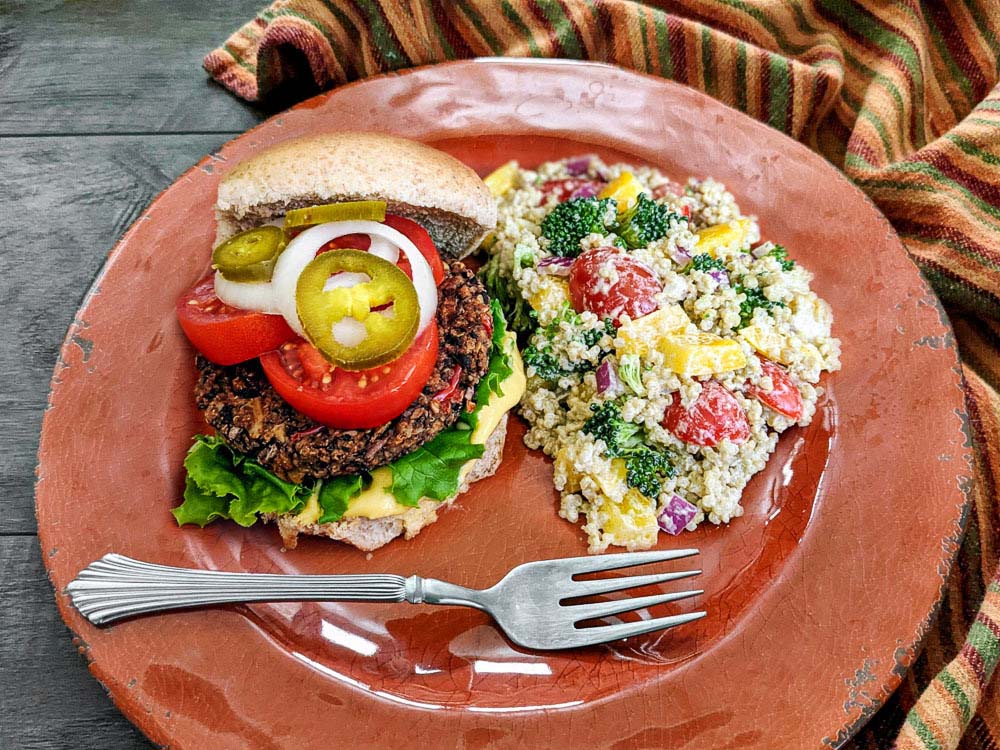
x,y
245,410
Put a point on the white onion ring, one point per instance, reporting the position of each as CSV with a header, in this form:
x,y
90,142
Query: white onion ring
x,y
246,295
303,249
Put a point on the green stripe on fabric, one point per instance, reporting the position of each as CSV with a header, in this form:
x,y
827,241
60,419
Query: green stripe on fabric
x,y
562,27
956,692
741,76
923,732
954,71
958,247
645,42
990,104
477,21
393,55
971,149
982,639
778,106
994,587
857,161
954,291
238,59
867,26
338,51
663,45
707,61
982,26
514,18
917,167
446,47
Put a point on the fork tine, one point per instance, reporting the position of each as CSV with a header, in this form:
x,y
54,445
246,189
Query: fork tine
x,y
597,563
605,633
605,609
607,585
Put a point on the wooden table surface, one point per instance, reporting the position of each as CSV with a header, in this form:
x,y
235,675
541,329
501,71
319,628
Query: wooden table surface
x,y
102,105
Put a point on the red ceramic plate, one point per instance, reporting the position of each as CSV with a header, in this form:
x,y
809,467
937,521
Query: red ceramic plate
x,y
817,598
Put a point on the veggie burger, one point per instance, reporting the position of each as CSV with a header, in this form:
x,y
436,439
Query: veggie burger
x,y
356,373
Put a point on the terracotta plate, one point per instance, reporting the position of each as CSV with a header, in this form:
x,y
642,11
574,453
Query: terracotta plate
x,y
818,597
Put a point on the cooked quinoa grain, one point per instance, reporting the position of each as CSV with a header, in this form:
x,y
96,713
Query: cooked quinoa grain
x,y
657,423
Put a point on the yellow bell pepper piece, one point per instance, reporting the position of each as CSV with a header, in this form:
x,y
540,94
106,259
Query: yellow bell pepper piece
x,y
713,239
699,354
624,189
552,293
630,523
767,341
501,179
642,335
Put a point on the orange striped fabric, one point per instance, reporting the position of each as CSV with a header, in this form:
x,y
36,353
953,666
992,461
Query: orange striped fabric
x,y
902,96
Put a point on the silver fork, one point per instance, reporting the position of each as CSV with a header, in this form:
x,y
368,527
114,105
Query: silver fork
x,y
529,603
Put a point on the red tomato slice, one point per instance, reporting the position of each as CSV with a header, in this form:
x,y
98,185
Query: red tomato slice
x,y
713,417
784,397
630,289
413,231
227,335
574,187
351,400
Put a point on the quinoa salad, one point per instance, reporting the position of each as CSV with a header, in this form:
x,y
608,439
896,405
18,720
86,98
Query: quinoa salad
x,y
667,343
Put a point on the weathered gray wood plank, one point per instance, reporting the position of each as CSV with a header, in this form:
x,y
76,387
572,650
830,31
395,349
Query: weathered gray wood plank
x,y
72,66
48,700
63,203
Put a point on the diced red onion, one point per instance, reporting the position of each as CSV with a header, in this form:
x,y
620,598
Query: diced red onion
x,y
720,276
590,190
607,378
579,166
676,514
680,256
555,266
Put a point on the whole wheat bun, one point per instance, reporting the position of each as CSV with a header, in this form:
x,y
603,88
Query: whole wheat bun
x,y
369,534
415,181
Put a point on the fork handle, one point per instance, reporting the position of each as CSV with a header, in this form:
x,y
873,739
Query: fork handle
x,y
116,586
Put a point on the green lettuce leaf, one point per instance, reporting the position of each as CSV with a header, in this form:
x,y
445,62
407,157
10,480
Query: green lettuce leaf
x,y
432,469
335,494
223,484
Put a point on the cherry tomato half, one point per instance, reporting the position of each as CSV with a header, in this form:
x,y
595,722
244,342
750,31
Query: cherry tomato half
x,y
351,400
714,416
784,397
227,335
574,187
608,282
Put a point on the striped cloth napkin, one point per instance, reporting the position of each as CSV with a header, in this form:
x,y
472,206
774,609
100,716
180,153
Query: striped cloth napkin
x,y
902,96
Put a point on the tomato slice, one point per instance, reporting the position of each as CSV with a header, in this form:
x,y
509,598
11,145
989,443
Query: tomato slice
x,y
227,335
413,231
347,400
713,417
574,187
784,397
608,282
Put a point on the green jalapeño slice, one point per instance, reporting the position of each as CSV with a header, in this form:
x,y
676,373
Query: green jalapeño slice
x,y
350,211
249,255
359,310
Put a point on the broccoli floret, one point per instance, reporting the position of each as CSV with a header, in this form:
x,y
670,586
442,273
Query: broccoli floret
x,y
570,222
546,365
629,370
645,470
753,298
704,262
781,255
520,317
645,467
646,222
620,437
592,335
